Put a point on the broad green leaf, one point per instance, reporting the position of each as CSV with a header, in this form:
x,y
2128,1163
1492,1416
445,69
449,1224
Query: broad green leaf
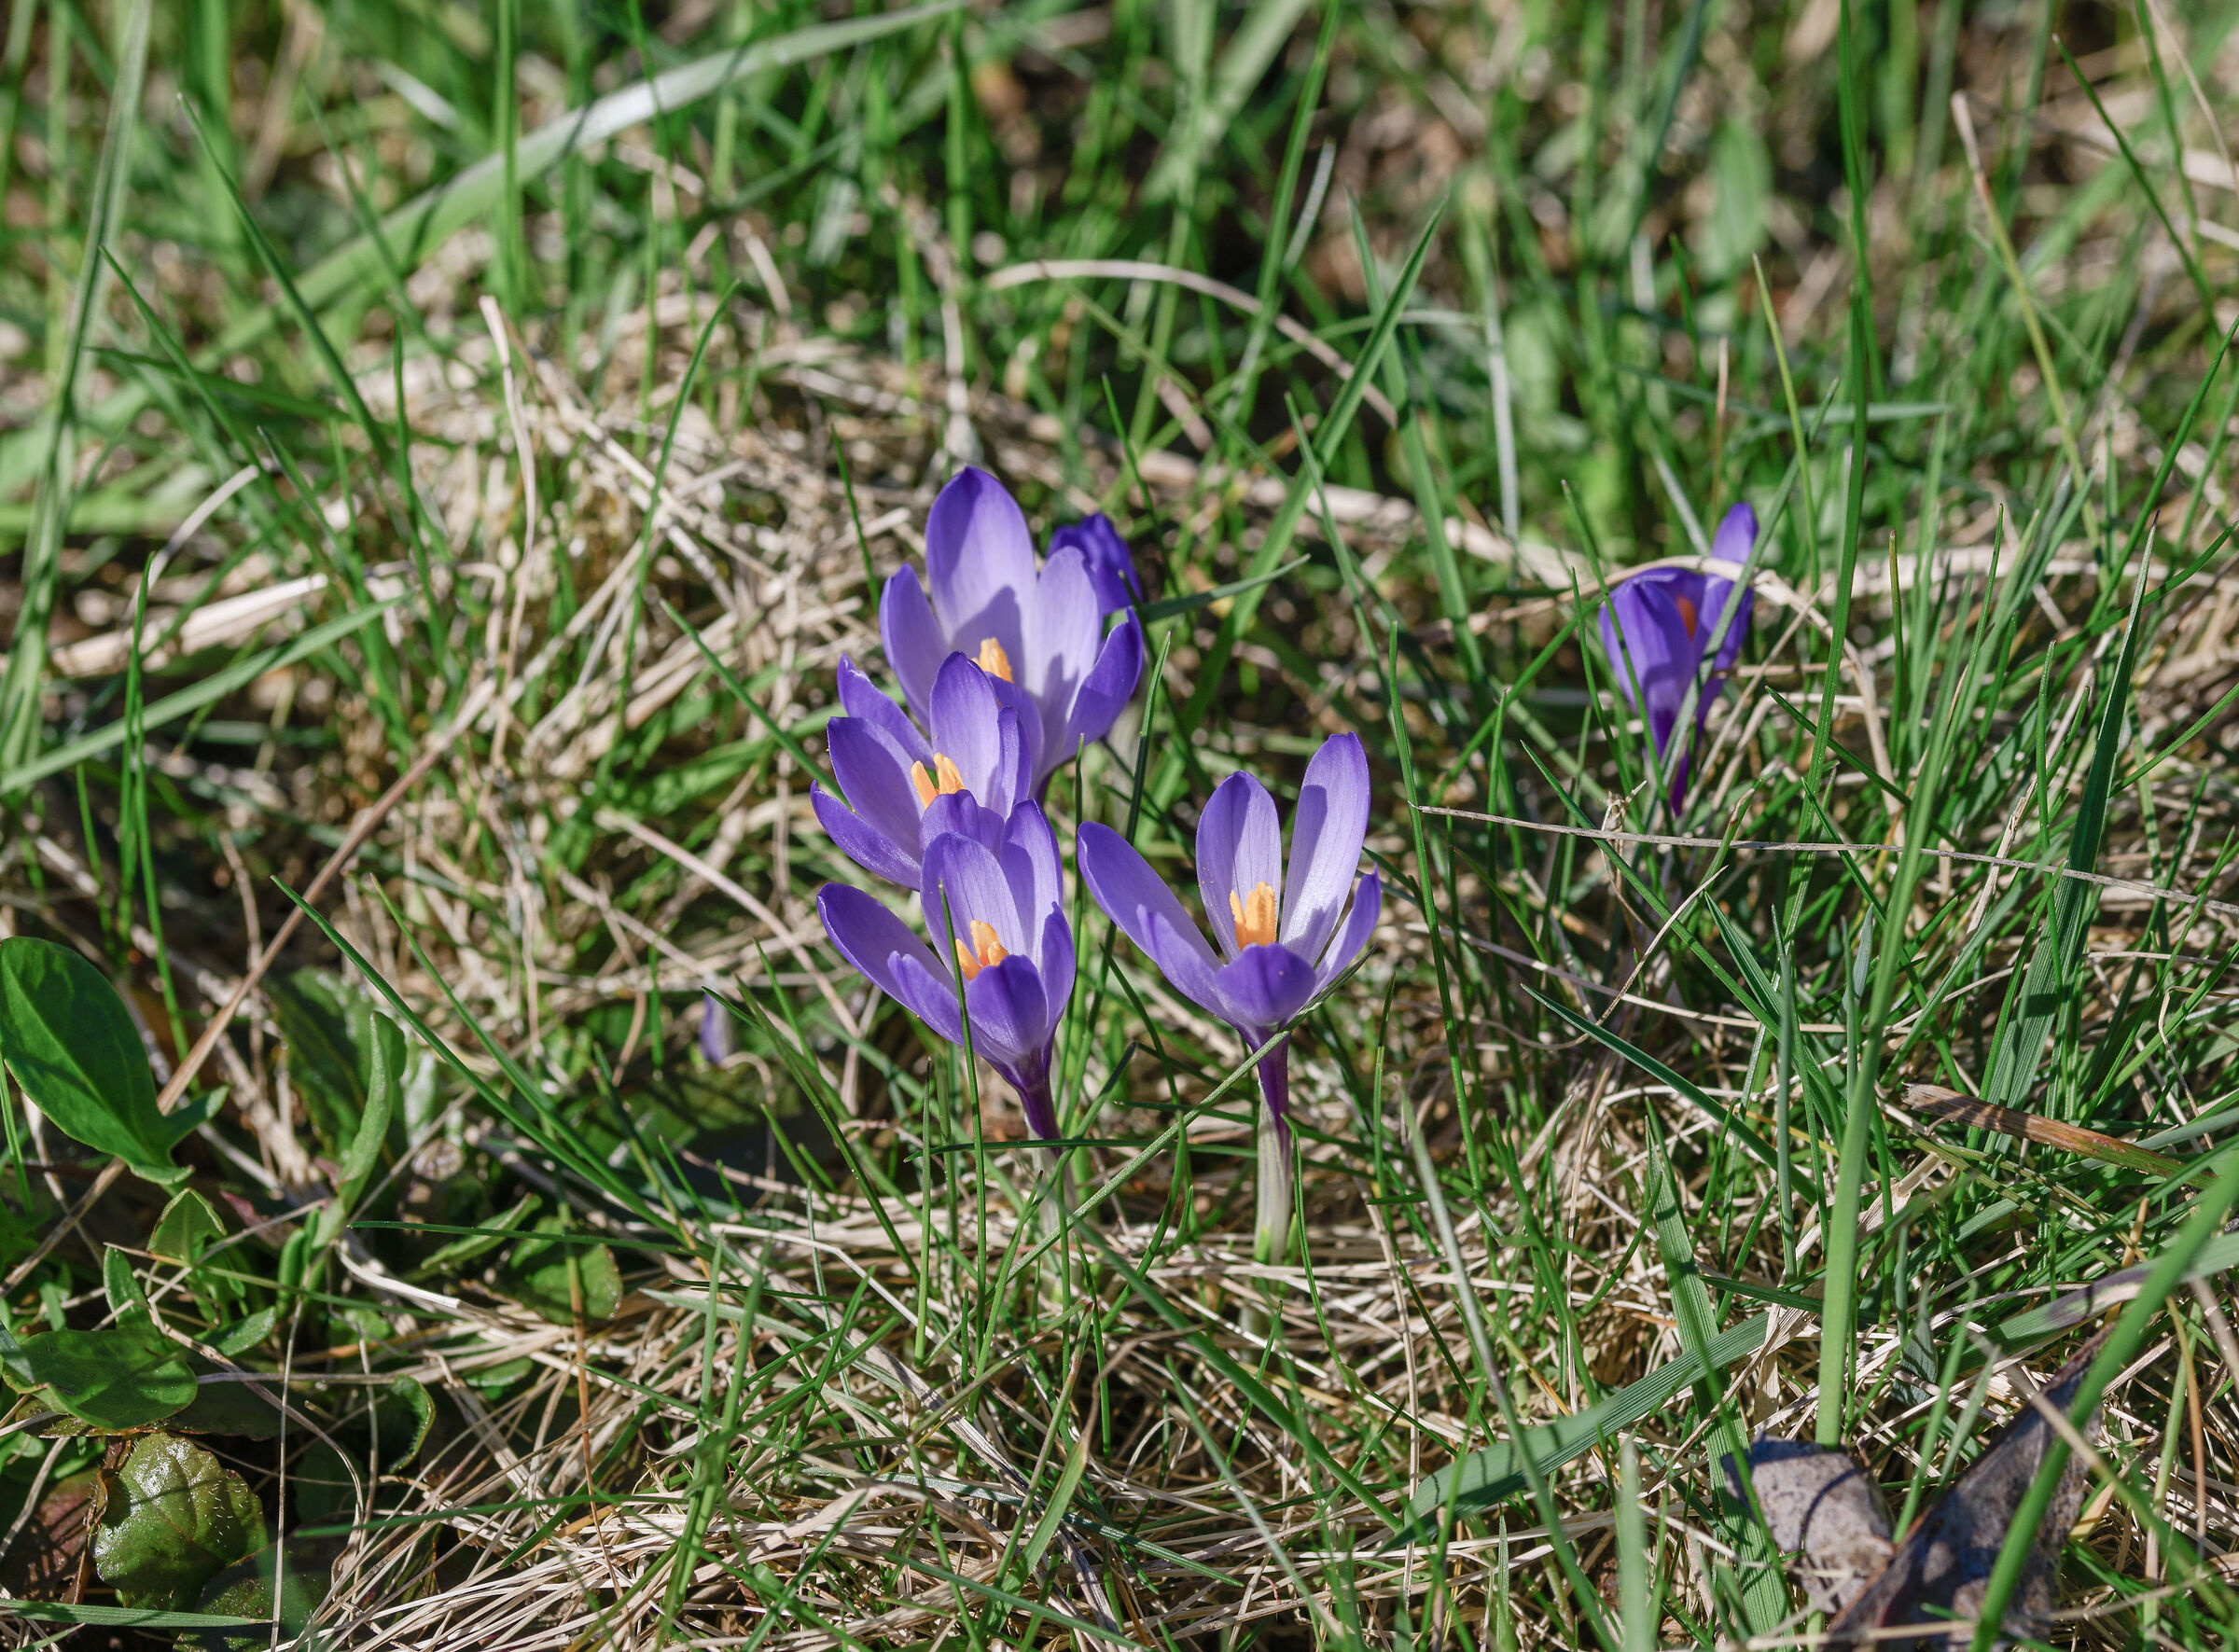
x,y
305,1572
227,1407
189,1226
537,1276
174,1518
408,1401
71,1044
468,1246
328,1025
126,1376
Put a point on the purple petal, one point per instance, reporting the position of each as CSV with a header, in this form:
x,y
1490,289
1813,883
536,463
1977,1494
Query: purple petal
x,y
1360,923
962,813
1109,685
914,641
1111,564
873,773
980,558
1715,596
893,960
1009,1013
1121,882
1063,634
1651,646
716,1042
1031,866
1239,846
965,721
1327,830
1056,957
863,844
965,878
859,697
1263,989
1737,533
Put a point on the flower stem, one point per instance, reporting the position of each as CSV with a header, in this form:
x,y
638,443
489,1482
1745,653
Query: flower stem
x,y
1271,1239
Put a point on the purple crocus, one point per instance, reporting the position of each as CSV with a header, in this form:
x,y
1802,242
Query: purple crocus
x,y
994,891
1040,630
1274,954
903,789
1111,564
1658,624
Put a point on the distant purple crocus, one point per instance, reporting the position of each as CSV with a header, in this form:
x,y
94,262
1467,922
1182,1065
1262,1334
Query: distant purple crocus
x,y
1658,624
1040,630
1111,564
1276,953
715,1040
999,889
902,788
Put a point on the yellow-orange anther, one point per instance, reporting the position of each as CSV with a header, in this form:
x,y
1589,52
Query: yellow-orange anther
x,y
1255,916
944,778
1687,613
984,953
993,660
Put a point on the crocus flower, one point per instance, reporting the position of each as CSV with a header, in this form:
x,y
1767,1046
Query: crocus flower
x,y
1658,624
1111,564
1039,630
1272,955
994,894
904,789
715,1040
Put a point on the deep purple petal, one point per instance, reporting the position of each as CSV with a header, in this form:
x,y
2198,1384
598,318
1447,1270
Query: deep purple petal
x,y
1361,924
873,773
1737,630
964,724
1031,867
980,558
963,813
1263,989
1737,533
895,961
1653,647
1131,895
1327,830
859,697
1009,1013
1111,564
863,844
1109,685
963,875
914,641
1055,958
1239,845
1063,636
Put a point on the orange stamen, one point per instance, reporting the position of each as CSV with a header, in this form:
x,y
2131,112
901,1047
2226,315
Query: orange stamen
x,y
944,778
1687,613
993,660
1255,916
983,953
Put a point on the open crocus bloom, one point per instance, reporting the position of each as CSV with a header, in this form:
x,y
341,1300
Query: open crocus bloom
x,y
1658,624
995,893
1111,564
1280,936
904,789
1038,629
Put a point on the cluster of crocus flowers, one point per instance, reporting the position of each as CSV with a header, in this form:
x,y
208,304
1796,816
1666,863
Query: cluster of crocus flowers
x,y
1661,626
1005,670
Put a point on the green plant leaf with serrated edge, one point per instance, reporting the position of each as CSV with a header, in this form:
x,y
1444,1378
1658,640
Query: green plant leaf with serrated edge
x,y
68,1039
124,1376
536,1276
174,1518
